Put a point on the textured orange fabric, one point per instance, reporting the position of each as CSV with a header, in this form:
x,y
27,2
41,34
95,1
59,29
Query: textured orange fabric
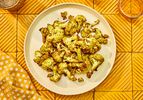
x,y
14,81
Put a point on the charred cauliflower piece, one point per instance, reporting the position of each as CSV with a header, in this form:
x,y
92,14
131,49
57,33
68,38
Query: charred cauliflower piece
x,y
50,29
96,60
70,40
80,19
71,27
80,79
85,32
69,47
44,33
79,54
63,68
60,47
70,58
75,64
57,35
38,56
56,76
90,46
64,15
95,23
47,47
48,63
59,24
102,39
87,62
58,56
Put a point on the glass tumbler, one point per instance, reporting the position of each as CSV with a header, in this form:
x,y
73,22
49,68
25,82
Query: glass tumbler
x,y
11,4
135,6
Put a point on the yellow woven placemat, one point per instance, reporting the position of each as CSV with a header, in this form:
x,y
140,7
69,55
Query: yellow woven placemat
x,y
125,81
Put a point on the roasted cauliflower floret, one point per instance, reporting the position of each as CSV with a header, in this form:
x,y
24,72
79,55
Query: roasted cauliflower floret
x,y
105,36
91,41
63,68
57,36
97,34
48,63
38,56
58,56
64,15
60,47
56,76
44,33
80,79
77,65
102,40
50,29
70,40
70,28
71,17
79,54
70,58
90,46
80,19
47,47
57,33
69,47
59,24
85,32
96,60
95,23
87,63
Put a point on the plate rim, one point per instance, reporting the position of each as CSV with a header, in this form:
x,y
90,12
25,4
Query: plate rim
x,y
77,4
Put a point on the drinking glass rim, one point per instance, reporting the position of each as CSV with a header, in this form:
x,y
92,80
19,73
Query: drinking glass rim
x,y
132,17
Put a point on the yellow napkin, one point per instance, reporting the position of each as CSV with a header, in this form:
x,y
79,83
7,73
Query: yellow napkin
x,y
15,83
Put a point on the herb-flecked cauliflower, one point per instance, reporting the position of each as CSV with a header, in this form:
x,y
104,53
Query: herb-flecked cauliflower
x,y
70,47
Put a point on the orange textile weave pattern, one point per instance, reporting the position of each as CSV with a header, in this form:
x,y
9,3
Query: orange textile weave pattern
x,y
125,82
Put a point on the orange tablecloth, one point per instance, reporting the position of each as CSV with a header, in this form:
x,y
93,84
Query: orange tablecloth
x,y
125,81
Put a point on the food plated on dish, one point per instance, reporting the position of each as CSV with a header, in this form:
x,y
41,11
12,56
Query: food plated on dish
x,y
70,47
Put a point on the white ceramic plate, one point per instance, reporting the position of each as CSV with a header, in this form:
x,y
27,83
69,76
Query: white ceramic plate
x,y
33,42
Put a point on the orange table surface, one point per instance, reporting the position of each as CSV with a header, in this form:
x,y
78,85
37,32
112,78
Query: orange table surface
x,y
125,82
